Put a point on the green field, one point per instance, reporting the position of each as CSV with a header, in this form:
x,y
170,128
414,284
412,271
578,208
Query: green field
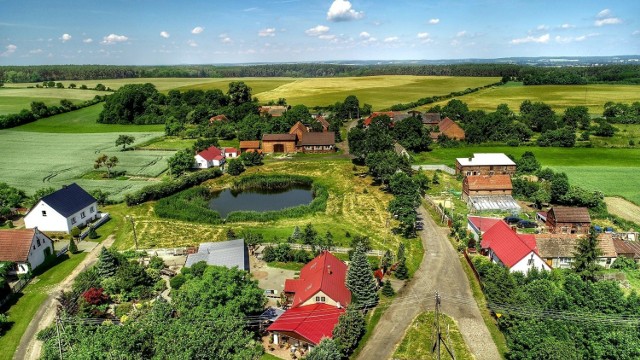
x,y
83,121
558,96
33,160
15,98
610,170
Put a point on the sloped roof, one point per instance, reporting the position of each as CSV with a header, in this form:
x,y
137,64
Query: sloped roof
x,y
212,153
394,115
488,182
225,253
564,245
279,137
15,244
322,121
298,127
273,110
486,159
250,144
69,200
324,273
230,150
311,322
627,247
483,223
567,214
318,138
218,118
431,118
449,128
508,246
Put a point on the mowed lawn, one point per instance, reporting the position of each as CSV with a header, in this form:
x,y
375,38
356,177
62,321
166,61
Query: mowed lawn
x,y
610,170
33,160
83,121
15,97
560,97
379,91
33,295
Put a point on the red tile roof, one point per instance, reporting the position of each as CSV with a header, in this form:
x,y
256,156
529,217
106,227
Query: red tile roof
x,y
230,150
483,223
325,273
311,322
279,137
218,118
449,128
374,115
568,214
250,144
318,138
488,182
508,246
15,244
212,153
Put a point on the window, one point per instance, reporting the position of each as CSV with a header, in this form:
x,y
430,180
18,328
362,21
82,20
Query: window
x,y
530,262
34,247
468,173
38,242
491,172
44,213
564,229
73,220
565,260
91,209
320,299
82,215
608,261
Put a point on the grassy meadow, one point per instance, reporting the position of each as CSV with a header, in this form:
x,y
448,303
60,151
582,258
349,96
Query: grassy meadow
x,y
15,97
610,170
33,160
559,97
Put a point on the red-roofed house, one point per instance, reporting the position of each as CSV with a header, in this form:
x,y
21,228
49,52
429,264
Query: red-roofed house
x,y
478,225
209,157
27,248
230,153
393,115
449,128
320,292
517,252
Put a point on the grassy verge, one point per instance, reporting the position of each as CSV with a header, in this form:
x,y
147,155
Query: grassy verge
x,y
286,265
33,295
496,334
266,356
415,345
373,317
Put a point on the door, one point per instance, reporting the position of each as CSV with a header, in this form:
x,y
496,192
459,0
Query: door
x,y
279,148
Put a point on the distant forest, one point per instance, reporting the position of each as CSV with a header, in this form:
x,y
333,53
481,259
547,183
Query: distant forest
x,y
530,75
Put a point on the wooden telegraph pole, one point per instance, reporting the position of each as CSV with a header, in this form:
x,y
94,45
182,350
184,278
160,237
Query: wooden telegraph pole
x,y
438,337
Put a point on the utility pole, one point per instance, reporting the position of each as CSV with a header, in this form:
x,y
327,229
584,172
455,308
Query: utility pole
x,y
133,226
439,340
58,332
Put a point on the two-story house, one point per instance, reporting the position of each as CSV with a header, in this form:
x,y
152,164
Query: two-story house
x,y
62,210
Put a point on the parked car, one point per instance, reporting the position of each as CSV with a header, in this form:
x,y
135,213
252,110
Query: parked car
x,y
512,220
271,293
527,224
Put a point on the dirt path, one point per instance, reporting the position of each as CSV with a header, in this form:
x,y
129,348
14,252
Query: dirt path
x,y
440,271
29,347
623,208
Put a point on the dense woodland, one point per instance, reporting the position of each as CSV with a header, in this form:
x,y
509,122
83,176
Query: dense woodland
x,y
530,75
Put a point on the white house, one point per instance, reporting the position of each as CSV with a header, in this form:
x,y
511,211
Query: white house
x,y
209,157
517,252
230,153
27,248
61,211
478,225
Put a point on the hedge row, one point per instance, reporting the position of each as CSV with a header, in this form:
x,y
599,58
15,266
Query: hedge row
x,y
433,99
26,116
271,182
164,189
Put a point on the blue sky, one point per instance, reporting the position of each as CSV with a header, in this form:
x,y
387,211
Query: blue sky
x,y
140,32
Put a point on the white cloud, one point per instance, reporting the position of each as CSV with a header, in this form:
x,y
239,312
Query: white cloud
x,y
327,37
87,40
434,21
226,39
192,43
542,27
461,33
423,35
65,37
164,34
197,30
250,9
391,39
35,51
542,39
317,31
267,32
365,35
567,26
608,21
113,38
10,50
637,32
341,10
605,17
564,40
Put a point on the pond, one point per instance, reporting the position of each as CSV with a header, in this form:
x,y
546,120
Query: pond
x,y
228,201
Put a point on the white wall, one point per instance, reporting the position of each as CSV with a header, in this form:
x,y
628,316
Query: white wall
x,y
201,162
37,255
524,267
54,221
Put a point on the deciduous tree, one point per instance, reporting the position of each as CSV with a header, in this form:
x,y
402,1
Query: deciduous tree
x,y
124,140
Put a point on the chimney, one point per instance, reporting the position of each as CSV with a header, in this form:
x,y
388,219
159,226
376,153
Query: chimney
x,y
329,269
338,305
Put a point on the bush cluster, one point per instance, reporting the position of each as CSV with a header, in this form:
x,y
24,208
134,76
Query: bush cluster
x,y
164,189
188,205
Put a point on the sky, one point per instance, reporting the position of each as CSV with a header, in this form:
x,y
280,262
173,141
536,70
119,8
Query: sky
x,y
159,32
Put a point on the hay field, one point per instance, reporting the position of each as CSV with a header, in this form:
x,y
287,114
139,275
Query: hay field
x,y
15,97
623,208
31,161
560,97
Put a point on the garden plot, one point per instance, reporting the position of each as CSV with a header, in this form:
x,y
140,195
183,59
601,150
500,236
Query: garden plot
x,y
31,161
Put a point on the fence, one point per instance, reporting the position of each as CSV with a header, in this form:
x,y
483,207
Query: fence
x,y
103,218
443,168
15,288
473,268
335,249
63,251
444,218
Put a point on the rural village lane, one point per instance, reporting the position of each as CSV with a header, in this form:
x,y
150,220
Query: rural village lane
x,y
30,347
440,271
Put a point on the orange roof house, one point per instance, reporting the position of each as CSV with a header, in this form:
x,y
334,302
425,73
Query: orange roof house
x,y
486,185
449,128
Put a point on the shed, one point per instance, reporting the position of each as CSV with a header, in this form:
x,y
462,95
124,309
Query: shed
x,y
232,253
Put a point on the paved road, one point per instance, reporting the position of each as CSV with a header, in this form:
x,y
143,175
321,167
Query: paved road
x,y
440,271
30,347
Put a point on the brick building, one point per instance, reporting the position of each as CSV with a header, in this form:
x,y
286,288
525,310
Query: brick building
x,y
486,164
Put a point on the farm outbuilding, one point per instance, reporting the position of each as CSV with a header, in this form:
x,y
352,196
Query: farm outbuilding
x,y
232,253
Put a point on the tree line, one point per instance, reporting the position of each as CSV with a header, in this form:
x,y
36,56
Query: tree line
x,y
529,74
39,110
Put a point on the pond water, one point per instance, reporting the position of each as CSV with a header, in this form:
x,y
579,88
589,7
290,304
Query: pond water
x,y
227,201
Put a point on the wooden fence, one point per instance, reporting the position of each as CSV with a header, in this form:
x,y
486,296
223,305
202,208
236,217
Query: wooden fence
x,y
443,168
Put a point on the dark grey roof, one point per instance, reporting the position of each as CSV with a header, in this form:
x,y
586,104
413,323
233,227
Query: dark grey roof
x,y
69,200
225,253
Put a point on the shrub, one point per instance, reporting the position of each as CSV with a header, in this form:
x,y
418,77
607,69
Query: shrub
x,y
92,233
73,248
188,205
160,285
95,296
235,167
156,263
177,281
164,189
123,309
624,263
387,290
